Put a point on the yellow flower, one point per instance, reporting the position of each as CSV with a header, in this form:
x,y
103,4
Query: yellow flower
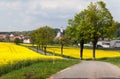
x,y
11,53
87,53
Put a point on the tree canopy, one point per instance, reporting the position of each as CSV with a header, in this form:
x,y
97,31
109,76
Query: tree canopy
x,y
91,24
43,36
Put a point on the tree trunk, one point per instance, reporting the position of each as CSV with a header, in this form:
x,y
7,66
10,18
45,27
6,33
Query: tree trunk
x,y
37,48
32,44
42,46
81,49
94,47
61,49
45,50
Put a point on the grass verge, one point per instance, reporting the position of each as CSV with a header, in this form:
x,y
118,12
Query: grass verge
x,y
115,60
17,65
41,70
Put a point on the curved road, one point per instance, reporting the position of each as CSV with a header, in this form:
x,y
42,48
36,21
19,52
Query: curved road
x,y
89,70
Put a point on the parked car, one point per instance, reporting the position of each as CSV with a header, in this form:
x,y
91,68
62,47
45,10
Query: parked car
x,y
103,44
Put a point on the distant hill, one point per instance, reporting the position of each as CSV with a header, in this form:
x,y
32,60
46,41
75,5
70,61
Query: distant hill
x,y
26,33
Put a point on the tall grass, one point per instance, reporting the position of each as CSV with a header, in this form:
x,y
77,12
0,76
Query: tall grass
x,y
41,70
17,65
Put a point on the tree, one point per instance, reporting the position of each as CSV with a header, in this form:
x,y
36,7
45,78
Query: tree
x,y
43,36
17,41
101,22
91,24
70,31
32,37
78,30
63,40
118,31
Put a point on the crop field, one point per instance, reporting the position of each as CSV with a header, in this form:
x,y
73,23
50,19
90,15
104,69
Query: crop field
x,y
87,53
11,53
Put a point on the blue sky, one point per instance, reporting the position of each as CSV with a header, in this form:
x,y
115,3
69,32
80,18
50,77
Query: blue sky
x,y
24,15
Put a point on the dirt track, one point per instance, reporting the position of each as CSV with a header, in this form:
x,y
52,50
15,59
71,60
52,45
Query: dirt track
x,y
89,70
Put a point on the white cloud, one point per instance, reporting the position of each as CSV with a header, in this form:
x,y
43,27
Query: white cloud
x,y
63,16
10,5
29,13
60,4
45,6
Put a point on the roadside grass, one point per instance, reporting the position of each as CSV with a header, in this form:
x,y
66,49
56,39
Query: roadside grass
x,y
13,57
18,65
41,70
114,60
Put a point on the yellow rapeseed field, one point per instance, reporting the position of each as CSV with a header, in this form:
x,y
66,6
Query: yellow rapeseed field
x,y
74,52
10,53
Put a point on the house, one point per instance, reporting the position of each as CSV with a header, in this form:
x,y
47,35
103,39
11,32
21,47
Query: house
x,y
3,37
115,44
26,40
109,44
13,37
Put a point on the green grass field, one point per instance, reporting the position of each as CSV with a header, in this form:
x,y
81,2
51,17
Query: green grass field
x,y
41,70
115,60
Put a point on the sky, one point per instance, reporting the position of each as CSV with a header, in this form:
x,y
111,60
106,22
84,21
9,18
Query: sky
x,y
27,15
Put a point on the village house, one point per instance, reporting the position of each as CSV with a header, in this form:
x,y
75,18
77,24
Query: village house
x,y
13,37
3,37
23,38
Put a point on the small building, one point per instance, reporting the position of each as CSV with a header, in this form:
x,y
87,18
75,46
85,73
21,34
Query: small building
x,y
115,44
109,44
26,41
3,37
13,37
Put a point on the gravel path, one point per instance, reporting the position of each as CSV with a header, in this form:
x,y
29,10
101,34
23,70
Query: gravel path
x,y
39,51
89,70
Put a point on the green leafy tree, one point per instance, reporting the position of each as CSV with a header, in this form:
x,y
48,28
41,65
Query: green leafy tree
x,y
70,31
63,40
43,36
91,24
118,31
101,22
17,41
78,30
32,37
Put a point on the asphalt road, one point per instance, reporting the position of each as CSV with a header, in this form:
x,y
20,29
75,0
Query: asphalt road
x,y
89,70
